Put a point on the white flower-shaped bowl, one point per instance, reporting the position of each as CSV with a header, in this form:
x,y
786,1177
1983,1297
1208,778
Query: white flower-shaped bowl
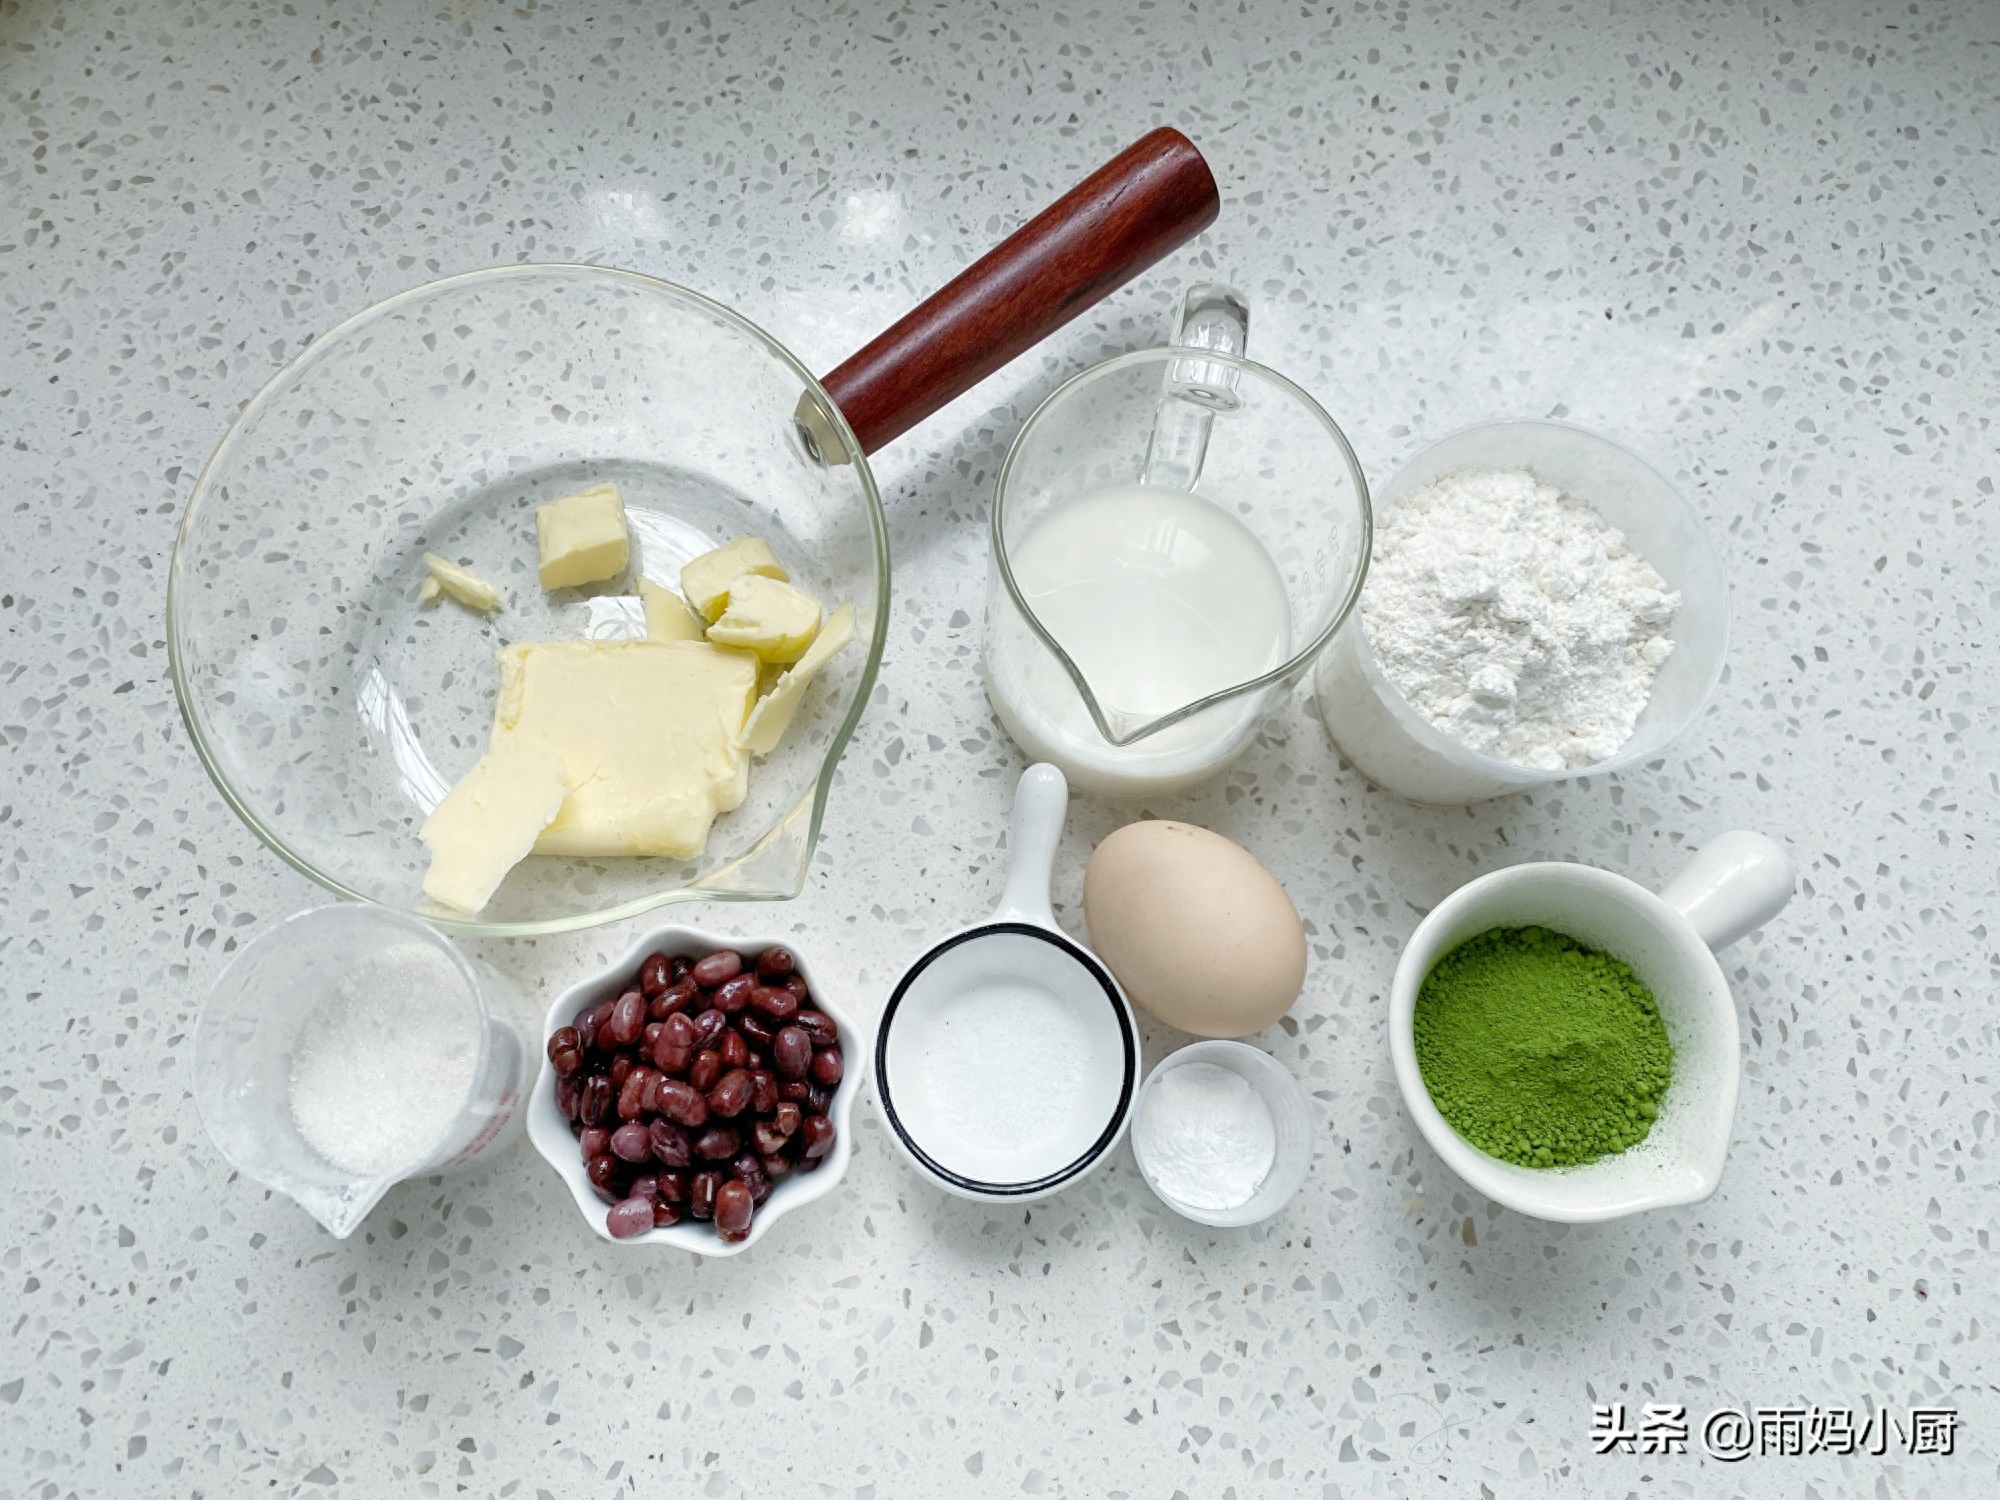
x,y
551,1133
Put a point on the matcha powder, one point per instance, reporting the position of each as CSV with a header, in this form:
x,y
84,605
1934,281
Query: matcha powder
x,y
1541,1051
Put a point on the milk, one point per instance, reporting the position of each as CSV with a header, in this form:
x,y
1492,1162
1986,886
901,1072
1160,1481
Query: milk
x,y
1161,598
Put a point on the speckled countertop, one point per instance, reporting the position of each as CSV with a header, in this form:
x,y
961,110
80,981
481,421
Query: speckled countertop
x,y
1755,242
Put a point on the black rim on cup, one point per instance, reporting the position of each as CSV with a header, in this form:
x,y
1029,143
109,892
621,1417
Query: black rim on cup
x,y
1127,1036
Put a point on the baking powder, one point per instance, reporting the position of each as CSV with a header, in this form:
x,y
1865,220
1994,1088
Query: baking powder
x,y
1205,1137
1515,620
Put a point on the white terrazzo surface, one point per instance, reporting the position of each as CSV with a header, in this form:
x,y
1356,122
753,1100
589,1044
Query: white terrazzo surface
x,y
1756,242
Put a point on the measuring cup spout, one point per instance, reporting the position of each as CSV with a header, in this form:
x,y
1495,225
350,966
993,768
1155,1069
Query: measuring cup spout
x,y
1041,802
340,1210
1734,885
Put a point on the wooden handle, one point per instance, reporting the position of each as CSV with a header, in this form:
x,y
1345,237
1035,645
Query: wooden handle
x,y
1153,197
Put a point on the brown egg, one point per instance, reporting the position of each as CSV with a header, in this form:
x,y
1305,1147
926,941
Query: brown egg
x,y
1196,930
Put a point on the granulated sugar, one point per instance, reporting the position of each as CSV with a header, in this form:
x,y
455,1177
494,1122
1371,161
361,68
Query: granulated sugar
x,y
385,1060
1515,620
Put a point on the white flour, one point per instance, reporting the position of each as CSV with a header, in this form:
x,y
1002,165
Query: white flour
x,y
1515,620
1206,1136
384,1061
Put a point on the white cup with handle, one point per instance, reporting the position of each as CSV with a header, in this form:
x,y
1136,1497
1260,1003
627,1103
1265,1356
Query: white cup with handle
x,y
1735,884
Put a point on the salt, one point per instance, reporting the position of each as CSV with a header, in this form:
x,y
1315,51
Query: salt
x,y
1205,1137
384,1062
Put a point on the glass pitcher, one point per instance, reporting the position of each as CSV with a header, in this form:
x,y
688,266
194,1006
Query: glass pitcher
x,y
1177,532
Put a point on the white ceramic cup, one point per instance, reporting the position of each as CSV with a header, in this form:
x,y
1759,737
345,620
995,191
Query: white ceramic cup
x,y
1007,1058
1732,886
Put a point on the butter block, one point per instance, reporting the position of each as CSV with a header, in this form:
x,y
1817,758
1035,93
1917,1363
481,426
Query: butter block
x,y
773,619
489,822
582,538
705,581
667,616
462,584
774,711
647,729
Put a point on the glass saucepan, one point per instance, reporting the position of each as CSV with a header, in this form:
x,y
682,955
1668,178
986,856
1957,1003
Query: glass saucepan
x,y
333,712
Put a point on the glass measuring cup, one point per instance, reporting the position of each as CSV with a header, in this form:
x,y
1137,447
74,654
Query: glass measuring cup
x,y
1176,533
248,1036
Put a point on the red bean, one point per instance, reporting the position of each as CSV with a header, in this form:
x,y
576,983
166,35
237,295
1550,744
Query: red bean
x,y
598,1101
827,1066
608,1176
673,999
621,1069
705,1069
818,1025
633,1143
758,1183
768,1138
779,1005
731,1094
565,1055
708,1026
701,1194
669,1144
674,1045
569,1097
717,1143
718,966
655,974
796,1090
763,1091
774,964
792,1053
788,1117
644,1187
735,1051
636,1098
673,1187
732,996
755,1029
797,985
629,1218
594,1141
777,1167
627,1019
734,1209
682,1103
817,1133
817,1100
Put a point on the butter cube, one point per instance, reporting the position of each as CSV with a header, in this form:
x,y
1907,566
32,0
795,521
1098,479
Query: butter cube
x,y
647,729
774,711
488,822
705,581
582,538
773,619
462,584
667,617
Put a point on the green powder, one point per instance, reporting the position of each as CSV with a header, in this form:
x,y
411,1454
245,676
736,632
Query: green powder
x,y
1541,1051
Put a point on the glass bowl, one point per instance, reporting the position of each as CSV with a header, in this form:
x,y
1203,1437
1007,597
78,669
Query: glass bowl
x,y
1400,750
333,711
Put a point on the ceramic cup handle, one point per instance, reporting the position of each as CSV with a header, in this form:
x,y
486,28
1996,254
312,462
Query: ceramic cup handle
x,y
1734,885
1040,805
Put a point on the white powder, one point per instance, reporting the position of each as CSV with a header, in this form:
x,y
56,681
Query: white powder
x,y
1515,620
1206,1136
384,1061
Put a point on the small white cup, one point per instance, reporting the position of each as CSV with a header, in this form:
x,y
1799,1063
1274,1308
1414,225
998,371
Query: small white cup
x,y
1290,1116
1734,885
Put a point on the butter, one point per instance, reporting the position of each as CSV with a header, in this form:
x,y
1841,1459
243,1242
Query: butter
x,y
647,729
462,584
582,538
667,617
705,581
488,822
773,619
773,714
